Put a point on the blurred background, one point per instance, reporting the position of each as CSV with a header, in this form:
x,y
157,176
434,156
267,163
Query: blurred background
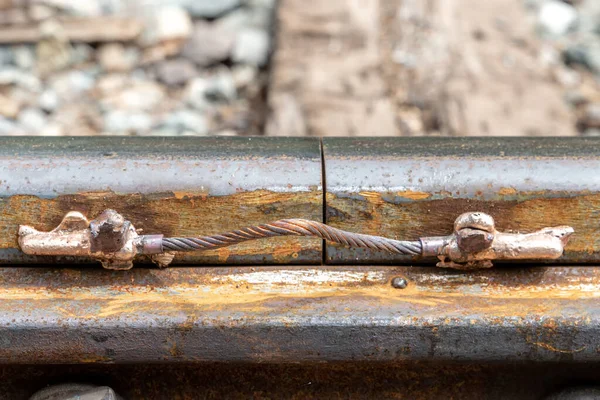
x,y
300,67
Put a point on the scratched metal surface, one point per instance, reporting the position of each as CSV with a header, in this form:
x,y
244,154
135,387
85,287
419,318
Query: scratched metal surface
x,y
48,167
175,186
406,188
298,315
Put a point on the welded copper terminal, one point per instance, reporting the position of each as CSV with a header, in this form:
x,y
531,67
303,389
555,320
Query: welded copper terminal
x,y
476,242
109,238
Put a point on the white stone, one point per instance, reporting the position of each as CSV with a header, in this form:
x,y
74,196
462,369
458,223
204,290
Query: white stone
x,y
162,132
186,121
262,3
251,47
71,84
196,94
139,75
14,76
6,55
78,118
110,83
40,12
82,8
203,92
52,129
555,18
32,119
589,16
533,5
165,24
9,107
24,56
176,72
244,75
592,114
208,44
114,57
23,97
226,132
585,52
592,132
549,56
112,7
9,127
140,96
48,100
567,77
208,8
124,121
261,18
53,50
81,52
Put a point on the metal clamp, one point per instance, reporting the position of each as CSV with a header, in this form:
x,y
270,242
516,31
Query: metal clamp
x,y
476,242
115,242
109,238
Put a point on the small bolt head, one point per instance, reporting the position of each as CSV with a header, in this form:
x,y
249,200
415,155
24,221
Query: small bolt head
x,y
399,283
475,220
474,240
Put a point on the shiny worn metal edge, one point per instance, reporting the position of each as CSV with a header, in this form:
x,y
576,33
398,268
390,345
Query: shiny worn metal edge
x,y
475,147
410,187
302,314
51,166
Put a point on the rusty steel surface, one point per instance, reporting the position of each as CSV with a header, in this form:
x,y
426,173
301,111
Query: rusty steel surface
x,y
412,187
299,314
173,186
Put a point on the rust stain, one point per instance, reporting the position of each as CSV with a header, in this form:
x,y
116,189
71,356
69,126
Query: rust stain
x,y
280,253
507,191
173,348
223,254
254,293
373,197
67,313
189,194
556,350
93,359
414,195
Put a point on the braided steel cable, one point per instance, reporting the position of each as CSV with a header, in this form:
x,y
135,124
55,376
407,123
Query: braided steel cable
x,y
293,227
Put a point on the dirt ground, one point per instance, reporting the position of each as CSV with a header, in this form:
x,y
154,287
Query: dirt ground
x,y
413,67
